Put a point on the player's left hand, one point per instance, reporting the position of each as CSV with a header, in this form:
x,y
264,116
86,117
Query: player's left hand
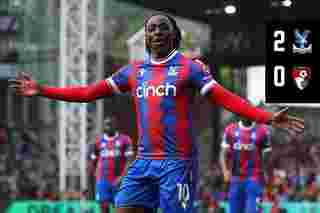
x,y
292,124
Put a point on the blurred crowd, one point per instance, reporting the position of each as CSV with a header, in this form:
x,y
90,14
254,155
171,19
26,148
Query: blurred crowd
x,y
29,168
294,177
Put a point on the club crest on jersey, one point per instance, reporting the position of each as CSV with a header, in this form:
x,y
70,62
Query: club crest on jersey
x,y
301,76
172,71
141,72
302,43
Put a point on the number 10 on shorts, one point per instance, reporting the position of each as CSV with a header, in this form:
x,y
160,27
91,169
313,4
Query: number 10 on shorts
x,y
183,194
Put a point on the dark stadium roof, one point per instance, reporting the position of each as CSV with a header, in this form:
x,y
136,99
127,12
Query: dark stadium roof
x,y
211,11
248,22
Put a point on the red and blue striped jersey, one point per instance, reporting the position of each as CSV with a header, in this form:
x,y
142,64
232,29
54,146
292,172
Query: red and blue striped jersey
x,y
245,147
111,155
163,92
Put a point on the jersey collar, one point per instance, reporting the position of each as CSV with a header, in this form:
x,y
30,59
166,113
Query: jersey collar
x,y
164,60
107,137
253,124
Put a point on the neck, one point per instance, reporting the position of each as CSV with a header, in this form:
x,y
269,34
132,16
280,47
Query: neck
x,y
161,55
164,59
111,134
246,125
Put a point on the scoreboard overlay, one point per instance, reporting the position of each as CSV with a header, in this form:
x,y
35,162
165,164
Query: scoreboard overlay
x,y
292,67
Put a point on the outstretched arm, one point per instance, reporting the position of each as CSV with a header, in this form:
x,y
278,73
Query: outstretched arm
x,y
221,96
25,86
234,103
201,77
77,94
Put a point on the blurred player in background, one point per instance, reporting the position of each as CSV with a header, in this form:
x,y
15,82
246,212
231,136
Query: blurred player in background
x,y
244,159
162,87
110,156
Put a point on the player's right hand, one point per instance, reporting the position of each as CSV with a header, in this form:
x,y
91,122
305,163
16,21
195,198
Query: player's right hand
x,y
24,85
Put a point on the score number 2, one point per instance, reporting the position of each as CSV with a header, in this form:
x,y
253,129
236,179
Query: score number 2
x,y
279,36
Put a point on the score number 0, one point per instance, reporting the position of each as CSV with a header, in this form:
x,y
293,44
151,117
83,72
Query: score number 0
x,y
279,76
278,71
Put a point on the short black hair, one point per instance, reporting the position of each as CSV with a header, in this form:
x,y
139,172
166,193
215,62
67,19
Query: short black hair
x,y
111,118
176,28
